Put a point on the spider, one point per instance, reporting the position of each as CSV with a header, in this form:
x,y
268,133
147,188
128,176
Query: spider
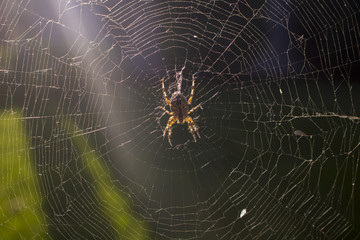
x,y
179,111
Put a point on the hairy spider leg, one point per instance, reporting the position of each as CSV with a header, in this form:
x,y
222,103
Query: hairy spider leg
x,y
192,89
164,92
192,127
170,113
168,128
193,109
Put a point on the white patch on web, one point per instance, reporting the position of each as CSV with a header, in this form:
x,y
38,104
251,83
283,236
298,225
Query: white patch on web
x,y
243,212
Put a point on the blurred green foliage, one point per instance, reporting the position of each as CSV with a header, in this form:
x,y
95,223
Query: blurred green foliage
x,y
21,216
114,203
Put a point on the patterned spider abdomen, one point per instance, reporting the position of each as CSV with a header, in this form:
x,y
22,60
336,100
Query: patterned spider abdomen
x,y
179,107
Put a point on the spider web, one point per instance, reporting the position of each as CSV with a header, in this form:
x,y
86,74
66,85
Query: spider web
x,y
279,122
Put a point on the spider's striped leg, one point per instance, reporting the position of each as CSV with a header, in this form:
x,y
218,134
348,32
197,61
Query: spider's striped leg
x,y
170,113
164,92
192,89
168,128
192,127
193,109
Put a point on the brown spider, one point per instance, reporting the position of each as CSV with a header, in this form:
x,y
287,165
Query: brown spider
x,y
179,110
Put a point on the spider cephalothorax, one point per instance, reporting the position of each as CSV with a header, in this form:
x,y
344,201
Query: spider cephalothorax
x,y
180,110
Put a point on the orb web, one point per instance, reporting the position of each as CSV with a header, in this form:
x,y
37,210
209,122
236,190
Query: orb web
x,y
277,82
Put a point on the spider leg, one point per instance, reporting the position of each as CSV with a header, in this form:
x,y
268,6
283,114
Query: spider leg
x,y
192,89
170,113
164,92
193,109
168,128
192,127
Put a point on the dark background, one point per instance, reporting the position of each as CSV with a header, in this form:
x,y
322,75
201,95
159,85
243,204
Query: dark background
x,y
263,70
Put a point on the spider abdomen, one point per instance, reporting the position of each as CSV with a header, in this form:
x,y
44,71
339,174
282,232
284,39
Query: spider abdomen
x,y
179,107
